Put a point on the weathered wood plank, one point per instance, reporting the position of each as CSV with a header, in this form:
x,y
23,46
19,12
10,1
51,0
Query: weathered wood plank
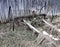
x,y
51,25
38,39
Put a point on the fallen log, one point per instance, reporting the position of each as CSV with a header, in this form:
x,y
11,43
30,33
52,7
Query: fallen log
x,y
41,36
51,25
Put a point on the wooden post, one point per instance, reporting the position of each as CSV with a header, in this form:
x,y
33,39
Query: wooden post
x,y
13,25
10,17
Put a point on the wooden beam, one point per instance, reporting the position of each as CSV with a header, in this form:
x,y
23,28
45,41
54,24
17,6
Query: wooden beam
x,y
31,26
41,35
51,25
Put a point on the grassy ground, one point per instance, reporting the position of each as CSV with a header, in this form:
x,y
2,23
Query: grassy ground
x,y
9,38
20,37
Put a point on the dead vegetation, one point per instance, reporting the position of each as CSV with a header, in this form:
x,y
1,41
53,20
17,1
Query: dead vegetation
x,y
37,32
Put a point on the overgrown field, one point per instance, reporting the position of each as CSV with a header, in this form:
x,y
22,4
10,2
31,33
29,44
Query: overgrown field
x,y
10,38
23,36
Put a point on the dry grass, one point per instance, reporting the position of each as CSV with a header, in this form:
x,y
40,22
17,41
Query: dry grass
x,y
9,38
20,37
